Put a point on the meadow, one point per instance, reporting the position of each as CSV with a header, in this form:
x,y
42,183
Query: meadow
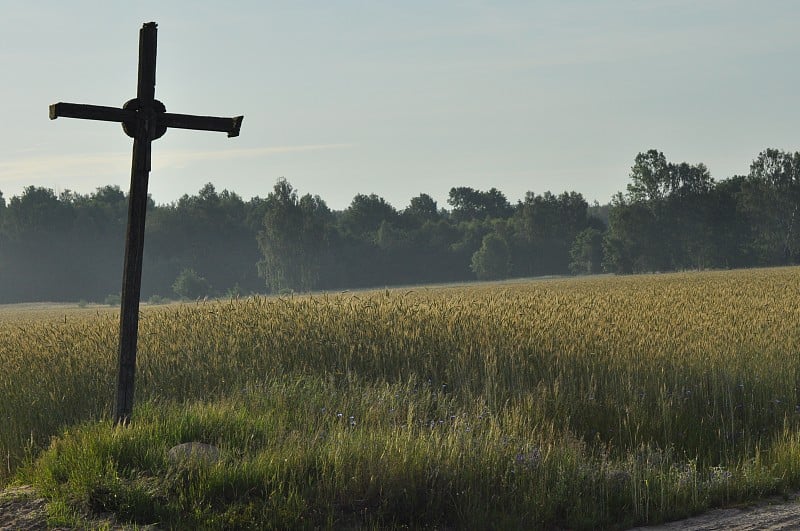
x,y
578,403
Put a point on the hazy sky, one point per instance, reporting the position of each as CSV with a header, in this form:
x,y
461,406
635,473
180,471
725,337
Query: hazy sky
x,y
399,98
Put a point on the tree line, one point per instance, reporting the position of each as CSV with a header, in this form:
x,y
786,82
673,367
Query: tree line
x,y
672,216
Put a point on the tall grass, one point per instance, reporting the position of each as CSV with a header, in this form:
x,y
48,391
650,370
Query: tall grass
x,y
575,402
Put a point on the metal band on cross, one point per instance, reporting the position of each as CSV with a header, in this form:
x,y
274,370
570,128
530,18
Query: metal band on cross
x,y
145,119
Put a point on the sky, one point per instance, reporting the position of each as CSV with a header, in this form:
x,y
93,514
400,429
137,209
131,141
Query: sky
x,y
401,98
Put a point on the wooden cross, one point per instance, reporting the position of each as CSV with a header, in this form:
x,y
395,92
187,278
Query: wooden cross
x,y
145,119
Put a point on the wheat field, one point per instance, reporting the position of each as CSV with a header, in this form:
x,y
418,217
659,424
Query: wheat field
x,y
580,402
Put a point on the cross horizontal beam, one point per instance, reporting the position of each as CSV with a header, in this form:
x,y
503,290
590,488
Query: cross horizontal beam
x,y
202,123
231,126
91,112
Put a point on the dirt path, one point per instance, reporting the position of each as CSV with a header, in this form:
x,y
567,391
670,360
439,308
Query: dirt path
x,y
22,510
773,514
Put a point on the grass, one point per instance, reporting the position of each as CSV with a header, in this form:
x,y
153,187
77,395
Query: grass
x,y
376,460
582,403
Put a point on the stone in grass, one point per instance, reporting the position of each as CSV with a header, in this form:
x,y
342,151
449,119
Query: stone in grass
x,y
193,452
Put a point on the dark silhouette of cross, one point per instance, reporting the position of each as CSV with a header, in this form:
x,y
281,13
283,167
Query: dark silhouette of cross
x,y
145,119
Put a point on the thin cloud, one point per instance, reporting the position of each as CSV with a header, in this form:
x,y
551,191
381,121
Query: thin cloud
x,y
28,168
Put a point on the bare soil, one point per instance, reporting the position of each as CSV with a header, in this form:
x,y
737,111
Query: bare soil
x,y
22,510
772,514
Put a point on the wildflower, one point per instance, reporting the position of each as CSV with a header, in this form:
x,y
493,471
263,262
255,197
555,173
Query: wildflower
x,y
530,459
686,474
718,475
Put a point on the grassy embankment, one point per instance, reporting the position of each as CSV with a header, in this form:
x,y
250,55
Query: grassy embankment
x,y
580,403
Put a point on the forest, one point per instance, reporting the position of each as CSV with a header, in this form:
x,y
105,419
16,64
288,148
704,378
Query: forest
x,y
672,216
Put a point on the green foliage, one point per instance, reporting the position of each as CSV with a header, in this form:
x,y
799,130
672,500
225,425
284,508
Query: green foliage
x,y
366,214
650,178
112,299
654,179
673,216
676,217
293,240
469,204
493,260
190,285
67,246
545,228
390,457
375,456
421,209
213,232
770,198
587,253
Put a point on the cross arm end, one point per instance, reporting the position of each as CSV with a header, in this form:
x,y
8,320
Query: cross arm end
x,y
236,126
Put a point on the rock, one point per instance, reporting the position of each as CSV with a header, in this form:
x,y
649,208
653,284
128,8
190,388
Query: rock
x,y
194,452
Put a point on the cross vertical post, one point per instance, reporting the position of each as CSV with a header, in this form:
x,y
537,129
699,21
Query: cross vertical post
x,y
134,235
145,119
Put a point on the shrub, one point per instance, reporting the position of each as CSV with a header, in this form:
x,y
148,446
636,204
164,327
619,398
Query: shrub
x,y
493,260
190,285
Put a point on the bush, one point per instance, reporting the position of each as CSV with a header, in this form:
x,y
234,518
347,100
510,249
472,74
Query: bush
x,y
190,285
493,260
112,299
